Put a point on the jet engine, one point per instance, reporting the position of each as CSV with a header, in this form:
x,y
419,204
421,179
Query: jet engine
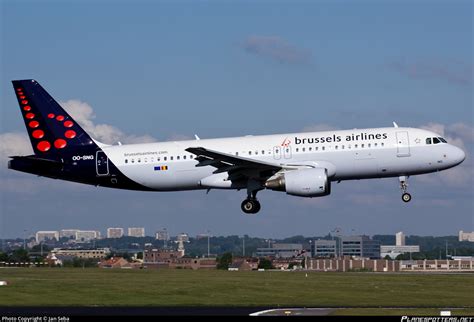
x,y
311,182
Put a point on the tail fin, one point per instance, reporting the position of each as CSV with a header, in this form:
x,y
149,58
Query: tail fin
x,y
51,129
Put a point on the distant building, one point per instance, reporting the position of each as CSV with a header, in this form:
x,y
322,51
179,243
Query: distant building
x,y
194,263
161,255
243,264
393,251
324,248
183,237
466,236
82,253
114,232
399,248
400,239
136,232
360,246
280,251
162,235
118,262
68,233
85,236
42,236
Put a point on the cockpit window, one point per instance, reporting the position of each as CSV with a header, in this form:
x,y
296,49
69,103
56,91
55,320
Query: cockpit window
x,y
442,140
436,141
428,141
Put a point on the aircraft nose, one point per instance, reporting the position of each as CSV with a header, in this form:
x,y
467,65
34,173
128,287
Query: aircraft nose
x,y
457,155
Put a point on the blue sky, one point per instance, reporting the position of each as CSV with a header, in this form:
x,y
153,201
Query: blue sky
x,y
166,70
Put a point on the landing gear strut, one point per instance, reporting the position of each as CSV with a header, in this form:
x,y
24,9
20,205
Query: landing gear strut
x,y
406,197
251,204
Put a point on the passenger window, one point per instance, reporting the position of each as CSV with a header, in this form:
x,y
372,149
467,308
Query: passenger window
x,y
256,152
171,158
342,147
139,160
382,144
375,144
126,161
310,148
316,149
323,148
158,159
303,149
177,158
336,147
237,153
355,146
436,141
165,158
250,152
297,149
263,151
184,157
145,160
362,145
428,141
368,145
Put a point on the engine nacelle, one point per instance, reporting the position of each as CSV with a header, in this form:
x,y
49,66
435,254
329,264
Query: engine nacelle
x,y
312,182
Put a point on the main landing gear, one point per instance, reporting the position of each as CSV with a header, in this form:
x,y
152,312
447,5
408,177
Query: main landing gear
x,y
251,205
406,197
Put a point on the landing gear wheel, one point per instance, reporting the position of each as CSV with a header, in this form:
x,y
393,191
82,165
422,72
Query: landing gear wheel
x,y
406,197
250,206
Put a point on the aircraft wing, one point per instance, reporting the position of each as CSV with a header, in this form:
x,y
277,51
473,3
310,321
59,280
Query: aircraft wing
x,y
237,167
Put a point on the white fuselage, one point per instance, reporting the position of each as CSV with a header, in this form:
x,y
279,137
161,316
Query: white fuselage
x,y
347,154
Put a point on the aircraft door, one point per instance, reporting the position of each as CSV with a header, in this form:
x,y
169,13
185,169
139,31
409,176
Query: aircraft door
x,y
277,152
102,164
403,145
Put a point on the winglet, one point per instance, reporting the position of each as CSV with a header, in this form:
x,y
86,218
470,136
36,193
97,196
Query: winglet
x,y
395,124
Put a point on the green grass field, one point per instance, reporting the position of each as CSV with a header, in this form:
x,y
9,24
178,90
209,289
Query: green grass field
x,y
102,287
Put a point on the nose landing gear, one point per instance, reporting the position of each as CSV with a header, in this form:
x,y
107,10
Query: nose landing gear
x,y
406,197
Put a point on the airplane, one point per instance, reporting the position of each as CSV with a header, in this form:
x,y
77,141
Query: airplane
x,y
300,164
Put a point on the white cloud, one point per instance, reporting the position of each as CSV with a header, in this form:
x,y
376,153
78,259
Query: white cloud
x,y
12,144
452,72
84,115
458,134
276,48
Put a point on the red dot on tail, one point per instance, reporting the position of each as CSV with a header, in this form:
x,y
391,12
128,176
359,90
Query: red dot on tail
x,y
60,118
70,134
22,97
51,115
68,124
44,146
60,144
37,134
30,116
33,124
27,108
19,89
24,102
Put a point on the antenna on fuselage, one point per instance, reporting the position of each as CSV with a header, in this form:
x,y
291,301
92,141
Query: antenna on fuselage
x,y
197,137
395,124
